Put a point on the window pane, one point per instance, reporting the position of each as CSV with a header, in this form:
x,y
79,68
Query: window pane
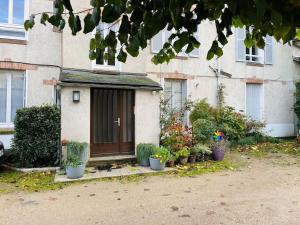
x,y
2,98
111,57
17,86
100,58
4,11
10,33
18,12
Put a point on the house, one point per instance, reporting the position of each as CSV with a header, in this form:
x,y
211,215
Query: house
x,y
115,106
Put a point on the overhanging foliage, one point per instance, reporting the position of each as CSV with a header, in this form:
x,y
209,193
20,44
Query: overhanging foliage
x,y
140,20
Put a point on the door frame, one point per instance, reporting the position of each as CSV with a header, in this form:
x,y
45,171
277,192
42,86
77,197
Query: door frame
x,y
94,155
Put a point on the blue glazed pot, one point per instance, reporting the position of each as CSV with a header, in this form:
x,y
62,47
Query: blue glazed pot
x,y
75,172
145,162
155,164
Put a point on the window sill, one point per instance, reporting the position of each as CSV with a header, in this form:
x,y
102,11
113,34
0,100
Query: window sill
x,y
7,131
254,64
13,41
105,68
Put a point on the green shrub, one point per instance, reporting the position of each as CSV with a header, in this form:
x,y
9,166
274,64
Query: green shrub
x,y
257,138
36,140
144,151
251,140
202,110
297,102
231,123
183,153
203,130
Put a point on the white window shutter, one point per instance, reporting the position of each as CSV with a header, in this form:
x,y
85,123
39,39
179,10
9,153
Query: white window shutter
x,y
157,42
240,49
196,51
268,50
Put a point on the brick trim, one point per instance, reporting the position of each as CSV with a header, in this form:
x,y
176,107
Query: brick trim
x,y
17,66
174,75
50,82
254,81
13,41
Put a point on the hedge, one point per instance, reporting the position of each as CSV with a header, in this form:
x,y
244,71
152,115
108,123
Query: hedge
x,y
36,140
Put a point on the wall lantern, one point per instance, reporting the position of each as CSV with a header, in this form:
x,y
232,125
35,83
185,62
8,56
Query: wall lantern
x,y
76,96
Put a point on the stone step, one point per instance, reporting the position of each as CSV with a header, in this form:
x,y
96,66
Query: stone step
x,y
111,160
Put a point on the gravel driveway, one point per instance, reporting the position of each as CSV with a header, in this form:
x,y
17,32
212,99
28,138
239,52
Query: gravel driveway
x,y
264,192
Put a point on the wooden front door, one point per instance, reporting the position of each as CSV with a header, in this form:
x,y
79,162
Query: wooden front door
x,y
112,122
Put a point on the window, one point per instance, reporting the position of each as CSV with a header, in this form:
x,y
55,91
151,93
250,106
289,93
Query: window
x,y
254,54
12,17
254,103
175,92
162,37
106,58
11,95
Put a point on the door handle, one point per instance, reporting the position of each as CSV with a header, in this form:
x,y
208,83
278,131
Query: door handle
x,y
118,121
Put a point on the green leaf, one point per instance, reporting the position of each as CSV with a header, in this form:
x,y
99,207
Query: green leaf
x,y
111,40
55,20
93,44
122,56
210,54
44,18
68,5
298,34
74,23
133,46
92,55
249,42
89,25
111,13
28,24
219,52
96,16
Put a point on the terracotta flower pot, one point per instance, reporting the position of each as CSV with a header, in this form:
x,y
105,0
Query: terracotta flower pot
x,y
170,163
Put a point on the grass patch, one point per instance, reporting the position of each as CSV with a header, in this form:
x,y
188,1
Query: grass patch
x,y
289,147
11,181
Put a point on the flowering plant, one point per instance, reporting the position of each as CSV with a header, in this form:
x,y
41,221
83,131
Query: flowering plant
x,y
161,153
176,135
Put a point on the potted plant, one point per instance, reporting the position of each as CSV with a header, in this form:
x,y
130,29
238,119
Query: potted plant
x,y
159,158
76,159
192,156
144,151
219,146
183,155
201,150
74,167
171,161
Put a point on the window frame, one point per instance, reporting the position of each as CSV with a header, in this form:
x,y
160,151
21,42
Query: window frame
x,y
182,88
8,74
261,56
182,53
105,66
11,27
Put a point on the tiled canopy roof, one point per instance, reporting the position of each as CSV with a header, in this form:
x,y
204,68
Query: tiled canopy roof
x,y
108,80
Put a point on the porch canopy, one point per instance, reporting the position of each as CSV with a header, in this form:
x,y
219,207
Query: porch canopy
x,y
107,80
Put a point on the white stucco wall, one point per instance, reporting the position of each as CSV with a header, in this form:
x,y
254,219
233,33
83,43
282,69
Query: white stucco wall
x,y
75,117
147,114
